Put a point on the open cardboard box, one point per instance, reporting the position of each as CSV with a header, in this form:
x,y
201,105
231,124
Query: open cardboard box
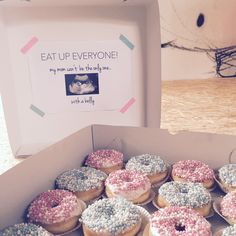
x,y
28,132
75,22
21,184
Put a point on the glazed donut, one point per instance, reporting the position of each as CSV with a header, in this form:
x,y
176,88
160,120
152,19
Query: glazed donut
x,y
152,165
86,183
228,206
173,221
129,184
25,229
229,231
227,177
187,194
193,171
106,160
111,216
55,210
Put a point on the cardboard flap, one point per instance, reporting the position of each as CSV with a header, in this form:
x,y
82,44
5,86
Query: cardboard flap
x,y
38,105
21,184
211,148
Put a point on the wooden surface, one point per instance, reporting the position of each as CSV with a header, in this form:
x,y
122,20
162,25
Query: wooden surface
x,y
199,105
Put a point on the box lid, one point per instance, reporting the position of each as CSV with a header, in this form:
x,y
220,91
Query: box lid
x,y
117,45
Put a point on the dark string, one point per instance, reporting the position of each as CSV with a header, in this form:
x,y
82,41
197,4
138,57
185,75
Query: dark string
x,y
223,57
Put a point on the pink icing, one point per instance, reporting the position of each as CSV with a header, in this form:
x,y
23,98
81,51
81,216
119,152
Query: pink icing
x,y
104,158
128,180
228,205
179,221
193,171
53,206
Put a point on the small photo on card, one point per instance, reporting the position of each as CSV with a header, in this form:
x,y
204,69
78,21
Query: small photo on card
x,y
82,84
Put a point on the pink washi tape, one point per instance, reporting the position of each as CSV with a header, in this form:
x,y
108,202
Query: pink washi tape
x,y
128,105
29,45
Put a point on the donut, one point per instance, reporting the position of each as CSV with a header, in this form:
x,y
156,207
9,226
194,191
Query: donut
x,y
86,183
227,177
151,165
106,160
174,221
229,231
55,210
192,195
193,171
129,184
25,229
228,206
111,216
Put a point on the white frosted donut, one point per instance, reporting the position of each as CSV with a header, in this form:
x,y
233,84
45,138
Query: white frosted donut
x,y
229,231
129,184
86,182
24,229
227,176
151,165
188,194
111,216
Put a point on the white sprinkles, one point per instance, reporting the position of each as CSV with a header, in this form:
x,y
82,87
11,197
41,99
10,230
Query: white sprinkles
x,y
185,194
147,163
82,179
112,215
227,174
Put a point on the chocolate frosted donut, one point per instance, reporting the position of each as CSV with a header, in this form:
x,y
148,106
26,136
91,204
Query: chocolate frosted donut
x,y
174,221
111,216
227,177
151,165
86,183
25,229
192,195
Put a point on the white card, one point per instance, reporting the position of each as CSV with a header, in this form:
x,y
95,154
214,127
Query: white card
x,y
80,76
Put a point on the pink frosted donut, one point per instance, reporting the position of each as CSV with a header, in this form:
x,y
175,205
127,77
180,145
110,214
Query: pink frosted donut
x,y
54,209
106,160
228,206
129,184
193,171
179,221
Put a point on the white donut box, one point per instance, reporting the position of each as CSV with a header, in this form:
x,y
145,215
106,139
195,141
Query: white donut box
x,y
139,20
24,182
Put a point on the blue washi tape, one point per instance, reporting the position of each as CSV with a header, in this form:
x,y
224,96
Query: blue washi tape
x,y
126,42
37,110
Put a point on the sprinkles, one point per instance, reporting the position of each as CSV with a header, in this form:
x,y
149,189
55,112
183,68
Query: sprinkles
x,y
82,179
229,231
129,184
185,194
111,215
147,164
54,206
227,174
193,171
179,221
228,205
104,158
24,229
